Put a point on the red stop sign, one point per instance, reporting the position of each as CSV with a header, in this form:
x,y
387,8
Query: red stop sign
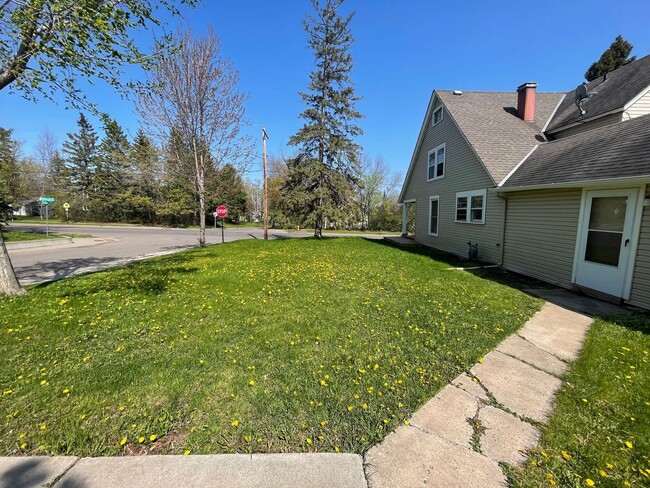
x,y
222,211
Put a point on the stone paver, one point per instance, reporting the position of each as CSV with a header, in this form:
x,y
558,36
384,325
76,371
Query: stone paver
x,y
412,458
434,416
557,330
522,349
505,436
523,389
465,383
30,472
236,470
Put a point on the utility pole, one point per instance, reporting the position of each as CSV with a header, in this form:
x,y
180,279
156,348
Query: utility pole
x,y
265,136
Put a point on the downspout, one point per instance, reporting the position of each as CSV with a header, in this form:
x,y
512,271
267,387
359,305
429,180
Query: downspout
x,y
503,228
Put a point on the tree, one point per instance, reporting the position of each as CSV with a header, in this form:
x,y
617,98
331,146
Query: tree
x,y
81,163
112,175
47,45
231,192
614,57
9,183
323,176
197,109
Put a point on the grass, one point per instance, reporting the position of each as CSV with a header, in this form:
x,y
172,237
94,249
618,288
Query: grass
x,y
293,345
19,235
599,432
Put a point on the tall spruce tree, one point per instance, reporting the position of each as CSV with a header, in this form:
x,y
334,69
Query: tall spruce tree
x,y
614,57
112,175
321,179
81,163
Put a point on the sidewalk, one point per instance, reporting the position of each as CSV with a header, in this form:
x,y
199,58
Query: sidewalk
x,y
457,439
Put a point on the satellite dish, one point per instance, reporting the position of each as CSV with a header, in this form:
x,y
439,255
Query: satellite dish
x,y
581,95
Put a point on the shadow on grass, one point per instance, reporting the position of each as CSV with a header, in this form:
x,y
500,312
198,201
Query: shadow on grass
x,y
451,260
142,276
638,321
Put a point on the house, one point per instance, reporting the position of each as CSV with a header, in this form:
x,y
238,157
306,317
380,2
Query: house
x,y
27,208
555,186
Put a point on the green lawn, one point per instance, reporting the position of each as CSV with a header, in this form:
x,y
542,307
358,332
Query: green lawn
x,y
599,433
290,345
18,235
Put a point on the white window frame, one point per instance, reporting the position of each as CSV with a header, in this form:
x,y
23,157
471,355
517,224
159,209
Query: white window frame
x,y
435,164
468,195
433,117
431,199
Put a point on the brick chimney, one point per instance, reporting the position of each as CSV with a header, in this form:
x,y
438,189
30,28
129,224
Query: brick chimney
x,y
526,102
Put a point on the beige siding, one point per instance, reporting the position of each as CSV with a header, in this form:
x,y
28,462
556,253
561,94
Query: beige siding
x,y
541,231
640,294
463,172
594,124
640,107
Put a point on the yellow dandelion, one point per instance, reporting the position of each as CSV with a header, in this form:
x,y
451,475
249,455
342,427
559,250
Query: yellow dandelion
x,y
43,426
141,439
364,406
566,456
7,392
187,452
602,473
43,382
629,444
66,391
123,441
153,437
251,382
309,441
235,423
590,482
406,422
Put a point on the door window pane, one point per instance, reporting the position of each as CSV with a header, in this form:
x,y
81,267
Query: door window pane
x,y
608,213
603,247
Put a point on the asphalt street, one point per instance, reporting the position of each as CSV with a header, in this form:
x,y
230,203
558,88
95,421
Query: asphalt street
x,y
113,245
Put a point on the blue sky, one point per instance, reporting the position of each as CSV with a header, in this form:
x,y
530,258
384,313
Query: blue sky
x,y
402,51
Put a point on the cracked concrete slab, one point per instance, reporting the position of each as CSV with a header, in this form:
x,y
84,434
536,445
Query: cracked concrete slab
x,y
523,389
410,458
505,437
465,383
434,416
234,470
557,330
525,351
30,472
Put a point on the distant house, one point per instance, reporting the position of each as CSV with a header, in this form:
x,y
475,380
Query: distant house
x,y
551,185
27,208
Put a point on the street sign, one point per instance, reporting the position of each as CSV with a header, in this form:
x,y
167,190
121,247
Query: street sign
x,y
222,211
46,200
66,206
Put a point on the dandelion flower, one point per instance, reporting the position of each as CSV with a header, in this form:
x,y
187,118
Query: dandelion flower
x,y
629,444
123,441
187,452
66,391
141,439
566,456
235,423
590,482
153,437
309,441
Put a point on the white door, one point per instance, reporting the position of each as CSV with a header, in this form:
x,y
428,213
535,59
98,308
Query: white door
x,y
606,240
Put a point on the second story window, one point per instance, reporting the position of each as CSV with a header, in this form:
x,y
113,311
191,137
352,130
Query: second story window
x,y
437,115
436,162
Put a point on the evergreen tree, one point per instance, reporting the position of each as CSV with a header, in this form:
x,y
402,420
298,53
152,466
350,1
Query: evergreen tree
x,y
81,164
140,199
9,172
112,174
614,57
321,179
231,192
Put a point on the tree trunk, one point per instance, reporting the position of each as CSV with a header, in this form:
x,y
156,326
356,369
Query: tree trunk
x,y
200,186
8,282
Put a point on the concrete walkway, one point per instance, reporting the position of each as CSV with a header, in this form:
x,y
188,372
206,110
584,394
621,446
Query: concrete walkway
x,y
484,417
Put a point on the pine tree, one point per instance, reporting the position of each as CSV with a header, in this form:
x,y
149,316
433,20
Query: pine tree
x,y
112,175
81,164
140,199
321,179
614,57
230,191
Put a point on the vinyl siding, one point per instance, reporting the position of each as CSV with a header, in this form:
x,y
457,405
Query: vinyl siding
x,y
640,107
540,237
463,172
640,293
594,124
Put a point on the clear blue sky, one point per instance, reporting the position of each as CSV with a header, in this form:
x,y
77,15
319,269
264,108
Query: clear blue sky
x,y
402,51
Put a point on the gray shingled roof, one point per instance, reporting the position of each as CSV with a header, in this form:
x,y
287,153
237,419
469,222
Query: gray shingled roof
x,y
490,124
614,151
621,86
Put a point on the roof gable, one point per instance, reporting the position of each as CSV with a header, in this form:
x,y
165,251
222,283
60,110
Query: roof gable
x,y
620,87
616,151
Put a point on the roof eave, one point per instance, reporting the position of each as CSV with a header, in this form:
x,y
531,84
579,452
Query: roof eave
x,y
625,180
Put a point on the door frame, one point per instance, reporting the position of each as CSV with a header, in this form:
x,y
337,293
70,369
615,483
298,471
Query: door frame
x,y
634,235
